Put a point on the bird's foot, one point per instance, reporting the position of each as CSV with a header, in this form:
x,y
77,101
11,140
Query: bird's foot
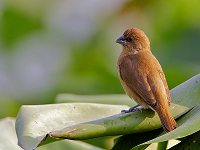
x,y
133,109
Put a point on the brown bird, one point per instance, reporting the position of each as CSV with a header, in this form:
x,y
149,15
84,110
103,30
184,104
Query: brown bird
x,y
142,77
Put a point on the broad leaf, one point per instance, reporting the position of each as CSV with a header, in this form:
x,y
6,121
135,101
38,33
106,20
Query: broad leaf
x,y
119,124
34,122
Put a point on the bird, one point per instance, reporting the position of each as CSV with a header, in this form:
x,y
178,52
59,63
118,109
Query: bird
x,y
142,77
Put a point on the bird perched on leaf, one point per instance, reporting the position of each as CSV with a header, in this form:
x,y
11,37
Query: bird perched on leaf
x,y
142,77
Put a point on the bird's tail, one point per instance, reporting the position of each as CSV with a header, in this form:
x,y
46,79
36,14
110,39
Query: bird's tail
x,y
167,121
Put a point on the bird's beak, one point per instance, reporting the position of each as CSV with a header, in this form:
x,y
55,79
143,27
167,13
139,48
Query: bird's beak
x,y
121,40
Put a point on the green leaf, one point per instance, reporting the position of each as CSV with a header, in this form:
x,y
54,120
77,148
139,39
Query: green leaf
x,y
69,145
162,145
126,142
34,122
188,124
190,142
119,124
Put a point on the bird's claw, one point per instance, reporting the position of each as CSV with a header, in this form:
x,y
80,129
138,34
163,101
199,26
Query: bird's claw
x,y
132,109
124,111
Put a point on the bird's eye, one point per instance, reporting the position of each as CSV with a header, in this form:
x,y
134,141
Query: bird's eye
x,y
130,39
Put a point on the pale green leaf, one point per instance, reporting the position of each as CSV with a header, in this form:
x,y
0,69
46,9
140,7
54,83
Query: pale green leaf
x,y
84,121
35,121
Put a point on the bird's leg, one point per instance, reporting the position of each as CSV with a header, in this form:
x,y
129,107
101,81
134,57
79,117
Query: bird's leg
x,y
132,109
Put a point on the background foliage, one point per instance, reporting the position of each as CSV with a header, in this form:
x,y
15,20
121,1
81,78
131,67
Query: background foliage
x,y
51,47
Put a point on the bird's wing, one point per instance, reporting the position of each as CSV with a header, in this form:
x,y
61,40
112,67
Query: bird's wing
x,y
137,80
162,76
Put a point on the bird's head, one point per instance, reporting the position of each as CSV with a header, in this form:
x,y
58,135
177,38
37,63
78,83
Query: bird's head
x,y
134,39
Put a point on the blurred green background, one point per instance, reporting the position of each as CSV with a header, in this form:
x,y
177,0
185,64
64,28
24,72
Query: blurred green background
x,y
49,47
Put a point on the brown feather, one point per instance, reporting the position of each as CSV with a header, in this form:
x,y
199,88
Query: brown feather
x,y
135,78
142,76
